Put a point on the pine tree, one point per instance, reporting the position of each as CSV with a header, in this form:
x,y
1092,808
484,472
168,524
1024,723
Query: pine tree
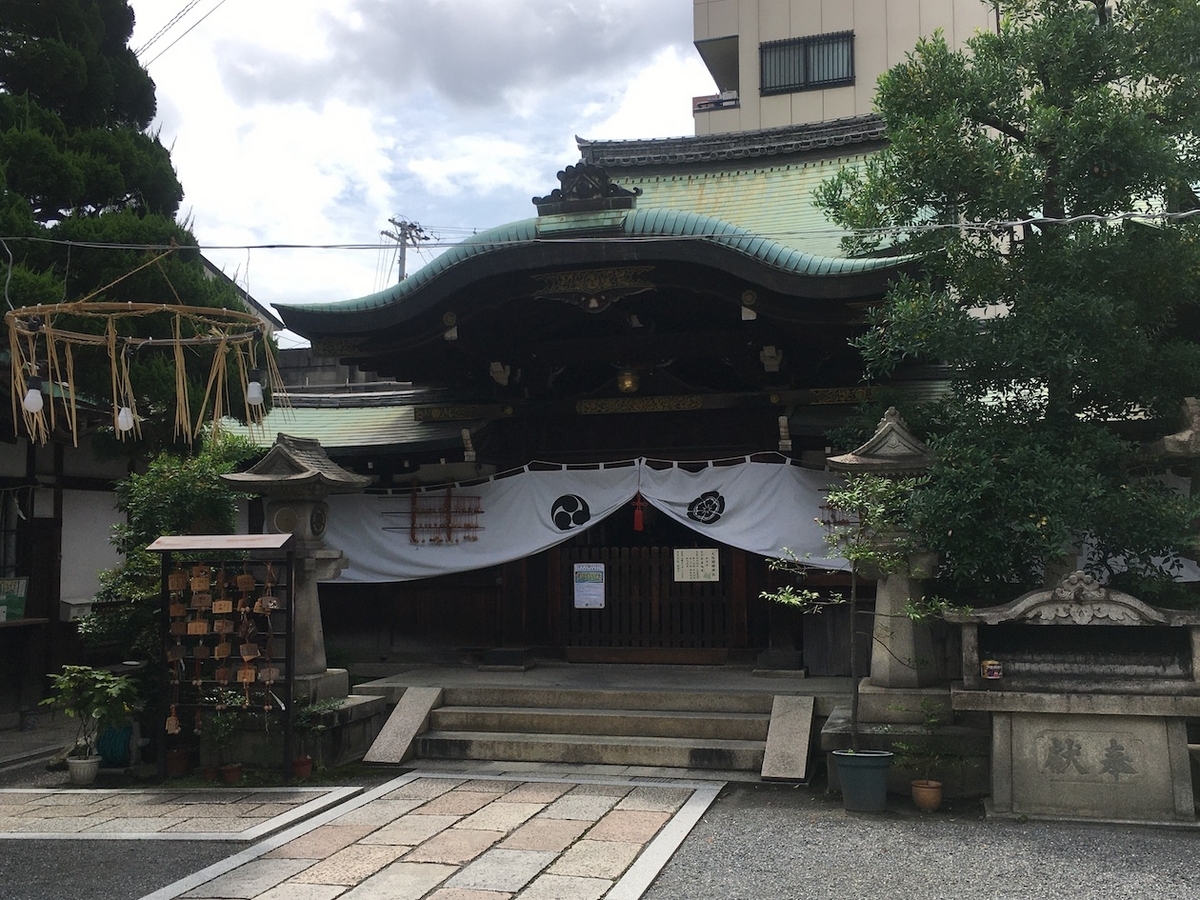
x,y
79,170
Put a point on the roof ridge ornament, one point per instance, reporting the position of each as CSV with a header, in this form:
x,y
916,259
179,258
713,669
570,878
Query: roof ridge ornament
x,y
585,187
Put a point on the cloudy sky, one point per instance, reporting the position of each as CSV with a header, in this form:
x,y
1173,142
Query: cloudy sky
x,y
309,122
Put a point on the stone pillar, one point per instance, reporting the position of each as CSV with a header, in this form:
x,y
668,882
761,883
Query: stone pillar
x,y
902,653
304,519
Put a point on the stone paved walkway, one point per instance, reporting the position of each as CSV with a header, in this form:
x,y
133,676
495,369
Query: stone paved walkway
x,y
452,837
227,814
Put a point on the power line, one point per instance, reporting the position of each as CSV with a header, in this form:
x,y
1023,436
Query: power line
x,y
740,234
158,34
186,33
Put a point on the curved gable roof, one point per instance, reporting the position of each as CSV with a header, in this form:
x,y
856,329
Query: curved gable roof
x,y
644,234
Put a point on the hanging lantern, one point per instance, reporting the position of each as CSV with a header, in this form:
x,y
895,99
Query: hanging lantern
x,y
254,391
125,419
34,401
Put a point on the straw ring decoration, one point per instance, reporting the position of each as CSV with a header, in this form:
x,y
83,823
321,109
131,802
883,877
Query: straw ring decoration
x,y
38,343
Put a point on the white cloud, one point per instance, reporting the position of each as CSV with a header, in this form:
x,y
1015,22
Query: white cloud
x,y
309,122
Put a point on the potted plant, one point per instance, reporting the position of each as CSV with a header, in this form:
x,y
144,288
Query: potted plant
x,y
97,698
221,725
866,527
923,756
308,721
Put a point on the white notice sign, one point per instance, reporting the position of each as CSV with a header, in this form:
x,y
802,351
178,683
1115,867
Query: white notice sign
x,y
698,565
589,585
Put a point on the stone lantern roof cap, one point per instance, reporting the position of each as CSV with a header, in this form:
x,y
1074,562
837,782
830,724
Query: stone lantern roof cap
x,y
294,463
1183,444
892,450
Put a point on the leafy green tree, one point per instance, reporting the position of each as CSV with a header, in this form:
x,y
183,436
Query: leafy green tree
x,y
81,178
1068,340
177,494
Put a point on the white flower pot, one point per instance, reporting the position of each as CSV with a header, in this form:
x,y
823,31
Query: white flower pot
x,y
83,771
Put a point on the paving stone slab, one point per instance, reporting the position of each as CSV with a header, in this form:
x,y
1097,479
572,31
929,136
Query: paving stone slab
x,y
401,881
502,870
410,830
489,785
628,825
566,887
536,792
230,827
351,865
292,891
379,812
458,803
579,806
546,834
423,789
146,825
248,881
501,816
597,859
454,846
322,842
653,797
460,894
56,826
602,790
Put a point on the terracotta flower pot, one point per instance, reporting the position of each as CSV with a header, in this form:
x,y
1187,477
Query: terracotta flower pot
x,y
179,763
302,766
927,795
231,773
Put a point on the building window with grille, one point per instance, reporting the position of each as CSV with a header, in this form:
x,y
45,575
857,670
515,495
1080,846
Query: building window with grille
x,y
807,63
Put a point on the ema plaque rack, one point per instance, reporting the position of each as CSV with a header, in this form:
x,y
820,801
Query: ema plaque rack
x,y
228,634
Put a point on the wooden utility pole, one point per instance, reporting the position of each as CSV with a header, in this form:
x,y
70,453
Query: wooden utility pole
x,y
406,233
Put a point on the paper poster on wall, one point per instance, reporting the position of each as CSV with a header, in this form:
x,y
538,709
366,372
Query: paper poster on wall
x,y
698,565
12,598
589,585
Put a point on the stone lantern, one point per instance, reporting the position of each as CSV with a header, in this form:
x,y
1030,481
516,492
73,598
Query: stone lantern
x,y
1183,447
295,477
902,653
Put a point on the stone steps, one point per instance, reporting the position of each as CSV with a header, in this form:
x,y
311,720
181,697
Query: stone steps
x,y
675,729
636,722
617,750
604,698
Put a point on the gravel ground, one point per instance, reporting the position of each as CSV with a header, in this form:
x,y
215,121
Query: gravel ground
x,y
774,842
757,842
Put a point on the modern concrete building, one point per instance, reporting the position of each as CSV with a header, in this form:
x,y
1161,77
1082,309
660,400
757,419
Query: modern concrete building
x,y
796,62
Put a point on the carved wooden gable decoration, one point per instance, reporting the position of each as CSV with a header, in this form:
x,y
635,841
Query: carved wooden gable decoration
x,y
585,188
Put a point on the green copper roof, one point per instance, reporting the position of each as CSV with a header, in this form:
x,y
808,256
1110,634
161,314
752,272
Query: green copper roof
x,y
775,202
644,224
347,428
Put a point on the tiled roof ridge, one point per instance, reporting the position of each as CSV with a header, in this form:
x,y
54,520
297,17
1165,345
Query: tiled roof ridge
x,y
733,145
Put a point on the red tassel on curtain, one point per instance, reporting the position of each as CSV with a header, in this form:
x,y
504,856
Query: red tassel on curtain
x,y
639,521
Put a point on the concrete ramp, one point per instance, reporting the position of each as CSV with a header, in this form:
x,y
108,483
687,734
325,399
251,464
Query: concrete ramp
x,y
789,737
409,719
